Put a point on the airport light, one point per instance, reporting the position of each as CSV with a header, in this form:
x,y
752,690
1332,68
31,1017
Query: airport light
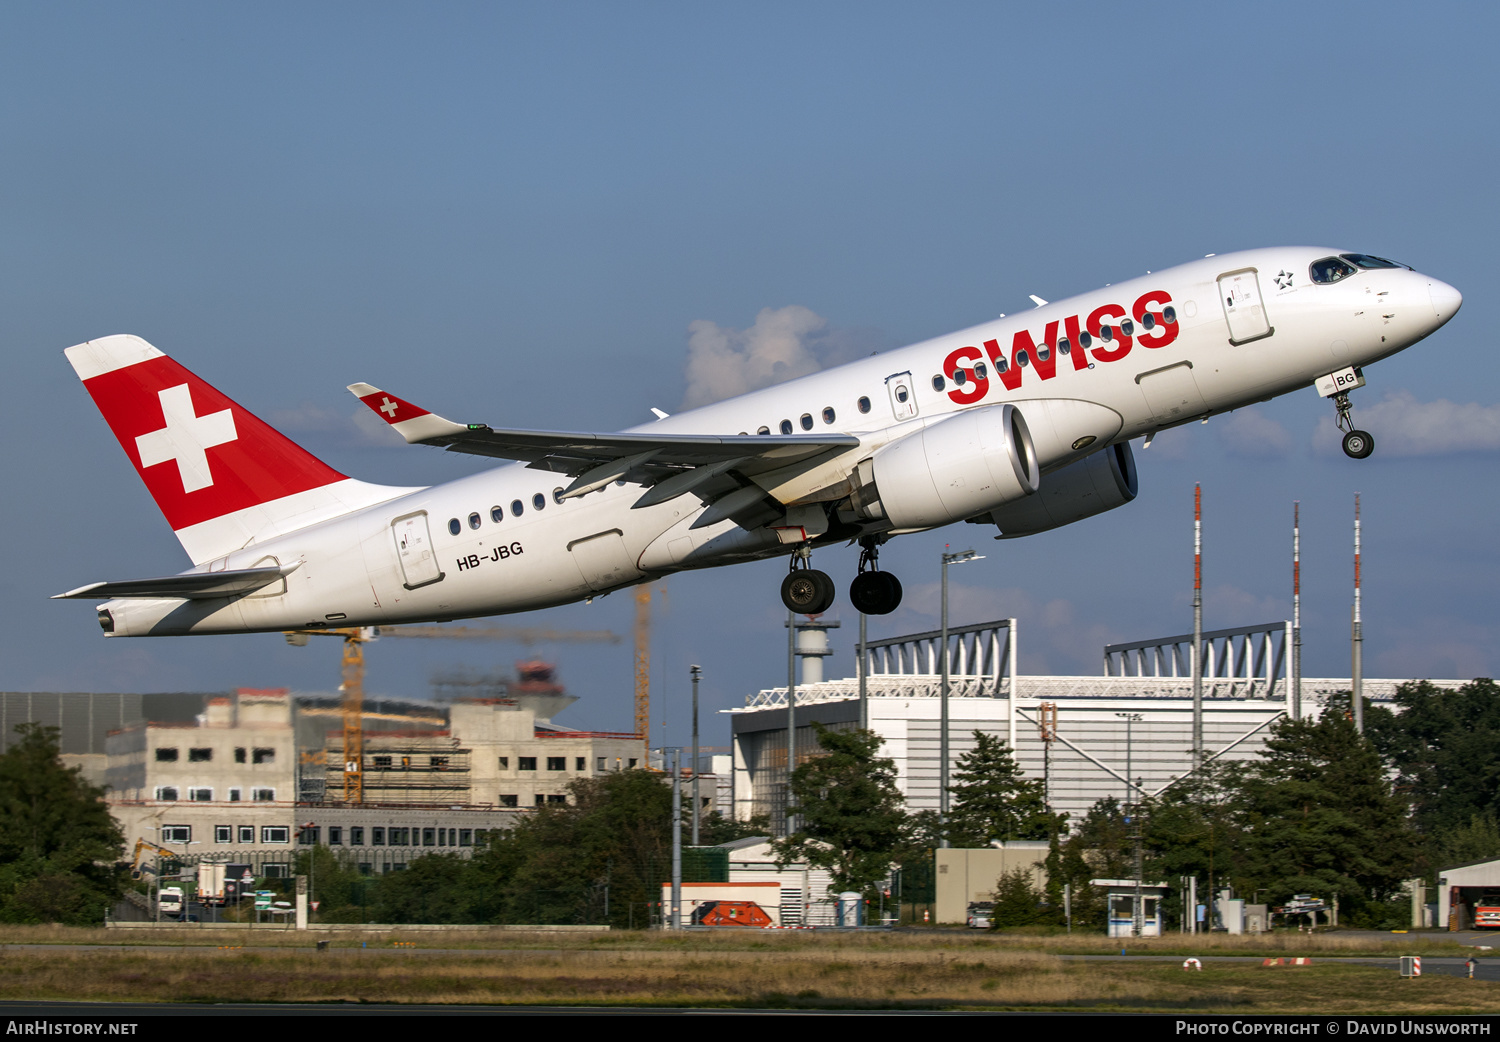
x,y
962,557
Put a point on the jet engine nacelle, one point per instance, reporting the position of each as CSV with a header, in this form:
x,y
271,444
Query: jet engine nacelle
x,y
1092,485
966,464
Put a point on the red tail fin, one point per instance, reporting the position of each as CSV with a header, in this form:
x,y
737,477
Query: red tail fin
x,y
220,474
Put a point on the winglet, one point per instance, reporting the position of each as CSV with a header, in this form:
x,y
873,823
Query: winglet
x,y
412,422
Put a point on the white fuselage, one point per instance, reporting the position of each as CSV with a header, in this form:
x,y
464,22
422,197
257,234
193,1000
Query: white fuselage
x,y
350,572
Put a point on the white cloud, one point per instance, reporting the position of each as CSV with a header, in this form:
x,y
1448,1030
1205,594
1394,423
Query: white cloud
x,y
1252,434
1403,426
784,343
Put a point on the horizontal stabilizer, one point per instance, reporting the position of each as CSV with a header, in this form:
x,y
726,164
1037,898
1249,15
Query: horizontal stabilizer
x,y
191,585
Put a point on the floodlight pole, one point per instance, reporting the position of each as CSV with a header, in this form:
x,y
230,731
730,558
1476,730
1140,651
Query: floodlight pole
x,y
1357,680
1296,611
962,557
791,715
1197,628
697,673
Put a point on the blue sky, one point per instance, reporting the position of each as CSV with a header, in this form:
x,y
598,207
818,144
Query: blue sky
x,y
515,212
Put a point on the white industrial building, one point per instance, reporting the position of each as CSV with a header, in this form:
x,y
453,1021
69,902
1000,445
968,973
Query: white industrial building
x,y
1083,735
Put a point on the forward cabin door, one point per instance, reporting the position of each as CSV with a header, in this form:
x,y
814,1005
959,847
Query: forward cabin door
x,y
419,563
1244,310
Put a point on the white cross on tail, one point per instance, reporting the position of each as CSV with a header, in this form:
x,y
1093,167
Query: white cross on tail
x,y
185,438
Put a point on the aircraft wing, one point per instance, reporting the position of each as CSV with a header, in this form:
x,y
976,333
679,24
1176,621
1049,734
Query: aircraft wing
x,y
597,459
192,585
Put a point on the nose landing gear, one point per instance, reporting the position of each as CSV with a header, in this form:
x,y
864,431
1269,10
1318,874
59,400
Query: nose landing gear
x,y
806,590
1357,443
873,592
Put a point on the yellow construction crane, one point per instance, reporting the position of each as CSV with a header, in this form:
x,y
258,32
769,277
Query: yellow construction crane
x,y
353,671
643,667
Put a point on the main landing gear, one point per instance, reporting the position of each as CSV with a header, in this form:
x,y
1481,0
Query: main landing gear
x,y
806,590
873,592
1357,444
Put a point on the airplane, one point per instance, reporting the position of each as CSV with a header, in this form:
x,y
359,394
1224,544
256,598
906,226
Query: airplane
x,y
1023,423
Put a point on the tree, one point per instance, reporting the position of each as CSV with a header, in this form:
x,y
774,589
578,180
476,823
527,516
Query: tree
x,y
993,800
1099,848
1318,814
1192,828
1018,902
848,811
58,842
1445,746
610,847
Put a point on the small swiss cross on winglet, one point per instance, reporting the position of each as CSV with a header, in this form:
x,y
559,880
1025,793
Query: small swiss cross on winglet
x,y
412,422
387,406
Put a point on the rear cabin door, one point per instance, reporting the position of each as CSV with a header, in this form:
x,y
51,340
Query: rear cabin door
x,y
419,563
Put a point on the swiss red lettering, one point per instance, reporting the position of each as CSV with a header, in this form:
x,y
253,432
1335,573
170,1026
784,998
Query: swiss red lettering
x,y
1079,355
1010,375
1043,356
975,385
1107,351
1046,368
1165,331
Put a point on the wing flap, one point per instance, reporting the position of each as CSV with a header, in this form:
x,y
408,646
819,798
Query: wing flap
x,y
190,585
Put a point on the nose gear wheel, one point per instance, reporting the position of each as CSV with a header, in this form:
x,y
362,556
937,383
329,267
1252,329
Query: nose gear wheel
x,y
1357,443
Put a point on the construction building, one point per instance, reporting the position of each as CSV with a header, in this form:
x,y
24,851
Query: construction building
x,y
247,777
1126,733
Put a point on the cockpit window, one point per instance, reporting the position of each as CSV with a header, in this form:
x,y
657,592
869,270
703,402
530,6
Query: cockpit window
x,y
1365,260
1330,269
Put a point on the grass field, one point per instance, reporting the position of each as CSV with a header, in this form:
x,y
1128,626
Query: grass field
x,y
932,970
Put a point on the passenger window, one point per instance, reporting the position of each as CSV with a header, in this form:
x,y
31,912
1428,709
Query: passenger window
x,y
1084,340
959,377
1106,333
538,501
902,394
1043,352
1063,345
1169,315
937,383
497,514
828,414
1001,365
1127,327
980,372
517,507
807,421
1021,359
763,430
557,495
864,404
474,521
786,426
1148,320
455,526
1329,270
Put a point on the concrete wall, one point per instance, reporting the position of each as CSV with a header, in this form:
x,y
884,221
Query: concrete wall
x,y
965,875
